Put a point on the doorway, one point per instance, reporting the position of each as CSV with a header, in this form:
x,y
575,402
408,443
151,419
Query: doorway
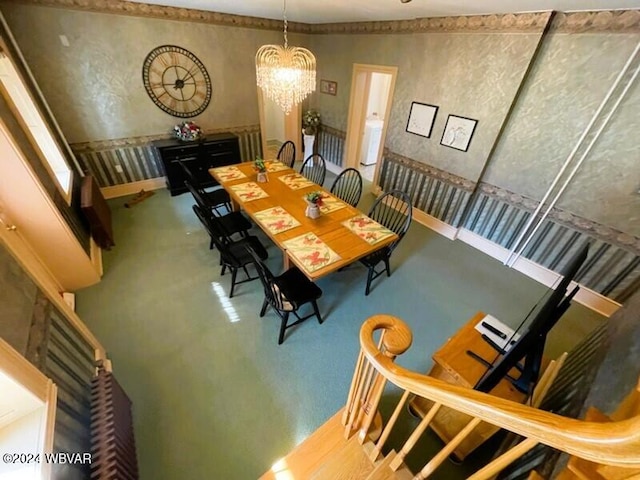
x,y
276,127
372,89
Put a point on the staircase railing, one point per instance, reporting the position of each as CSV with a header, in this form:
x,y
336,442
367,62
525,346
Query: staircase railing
x,y
612,443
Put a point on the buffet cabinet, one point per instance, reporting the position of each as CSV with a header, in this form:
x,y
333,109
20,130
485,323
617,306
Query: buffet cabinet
x,y
199,156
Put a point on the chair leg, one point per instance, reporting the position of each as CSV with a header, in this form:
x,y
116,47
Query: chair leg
x,y
283,327
234,273
317,312
211,244
387,267
265,305
369,276
223,269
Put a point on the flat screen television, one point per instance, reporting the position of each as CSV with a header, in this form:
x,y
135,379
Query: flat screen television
x,y
530,344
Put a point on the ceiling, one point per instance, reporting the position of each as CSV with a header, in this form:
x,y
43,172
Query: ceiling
x,y
334,11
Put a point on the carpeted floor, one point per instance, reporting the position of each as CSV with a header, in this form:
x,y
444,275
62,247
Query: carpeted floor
x,y
214,396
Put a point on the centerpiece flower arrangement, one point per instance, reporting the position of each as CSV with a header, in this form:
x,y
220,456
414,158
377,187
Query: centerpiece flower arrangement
x,y
314,201
187,131
260,167
310,122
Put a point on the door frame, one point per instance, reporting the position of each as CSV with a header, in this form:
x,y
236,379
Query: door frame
x,y
360,86
292,126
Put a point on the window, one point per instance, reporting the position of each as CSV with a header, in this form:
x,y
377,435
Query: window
x,y
24,104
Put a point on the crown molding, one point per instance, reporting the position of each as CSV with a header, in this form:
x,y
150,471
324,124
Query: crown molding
x,y
613,21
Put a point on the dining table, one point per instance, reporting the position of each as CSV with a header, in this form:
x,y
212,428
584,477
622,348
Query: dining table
x,y
317,246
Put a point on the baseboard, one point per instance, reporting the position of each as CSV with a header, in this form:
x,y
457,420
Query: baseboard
x,y
599,303
436,224
125,189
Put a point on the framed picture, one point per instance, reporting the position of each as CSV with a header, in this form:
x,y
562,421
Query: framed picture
x,y
422,116
458,132
328,87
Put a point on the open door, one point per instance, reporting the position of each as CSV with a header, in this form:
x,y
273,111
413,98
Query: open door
x,y
27,417
276,127
372,89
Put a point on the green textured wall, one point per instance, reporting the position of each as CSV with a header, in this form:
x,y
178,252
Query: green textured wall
x,y
567,84
94,86
471,75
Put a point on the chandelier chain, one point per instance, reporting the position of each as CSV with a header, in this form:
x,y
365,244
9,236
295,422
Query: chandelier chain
x,y
284,15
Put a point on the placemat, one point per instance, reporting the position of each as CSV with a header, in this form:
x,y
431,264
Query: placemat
x,y
329,203
226,174
295,181
311,252
369,230
275,166
276,220
249,191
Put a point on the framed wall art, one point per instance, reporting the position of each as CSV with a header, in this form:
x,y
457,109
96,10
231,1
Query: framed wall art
x,y
422,116
328,87
458,132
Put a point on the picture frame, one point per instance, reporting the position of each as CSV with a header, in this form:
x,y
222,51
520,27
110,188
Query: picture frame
x,y
329,87
458,132
422,117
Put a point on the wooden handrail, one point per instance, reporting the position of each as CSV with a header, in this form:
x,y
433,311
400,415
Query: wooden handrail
x,y
611,443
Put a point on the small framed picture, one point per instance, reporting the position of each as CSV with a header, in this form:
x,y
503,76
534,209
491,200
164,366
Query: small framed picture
x,y
458,132
328,87
422,116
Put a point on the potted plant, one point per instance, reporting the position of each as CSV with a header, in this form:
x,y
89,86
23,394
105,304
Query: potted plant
x,y
314,202
310,124
260,167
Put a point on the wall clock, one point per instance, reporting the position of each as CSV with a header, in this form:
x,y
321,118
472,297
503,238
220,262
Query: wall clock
x,y
176,81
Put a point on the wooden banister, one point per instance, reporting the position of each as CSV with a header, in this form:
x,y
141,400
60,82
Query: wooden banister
x,y
614,443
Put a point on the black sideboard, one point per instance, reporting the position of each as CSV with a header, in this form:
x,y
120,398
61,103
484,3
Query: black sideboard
x,y
213,151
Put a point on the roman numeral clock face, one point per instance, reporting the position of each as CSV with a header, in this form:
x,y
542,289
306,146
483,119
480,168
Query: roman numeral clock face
x,y
176,81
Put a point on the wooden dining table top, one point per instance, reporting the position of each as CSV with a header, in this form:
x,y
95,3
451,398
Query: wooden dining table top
x,y
329,228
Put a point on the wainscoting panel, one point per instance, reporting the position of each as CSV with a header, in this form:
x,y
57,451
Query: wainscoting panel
x,y
433,191
137,159
613,269
331,144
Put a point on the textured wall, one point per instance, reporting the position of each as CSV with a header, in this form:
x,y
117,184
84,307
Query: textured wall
x,y
17,298
567,84
95,88
472,75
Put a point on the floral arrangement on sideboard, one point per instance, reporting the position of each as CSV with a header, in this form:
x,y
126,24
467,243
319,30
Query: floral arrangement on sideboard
x,y
187,131
310,122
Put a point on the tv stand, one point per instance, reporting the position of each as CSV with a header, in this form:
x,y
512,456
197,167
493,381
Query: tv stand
x,y
453,365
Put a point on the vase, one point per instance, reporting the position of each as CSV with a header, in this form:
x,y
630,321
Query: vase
x,y
262,177
313,211
309,140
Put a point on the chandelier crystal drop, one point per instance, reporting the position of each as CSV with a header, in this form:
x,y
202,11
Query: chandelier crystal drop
x,y
286,75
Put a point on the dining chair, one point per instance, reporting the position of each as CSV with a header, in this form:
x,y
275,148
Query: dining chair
x,y
231,223
286,293
348,186
217,197
392,210
314,168
287,153
233,253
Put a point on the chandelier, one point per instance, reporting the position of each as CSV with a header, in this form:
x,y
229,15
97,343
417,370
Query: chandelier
x,y
286,75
